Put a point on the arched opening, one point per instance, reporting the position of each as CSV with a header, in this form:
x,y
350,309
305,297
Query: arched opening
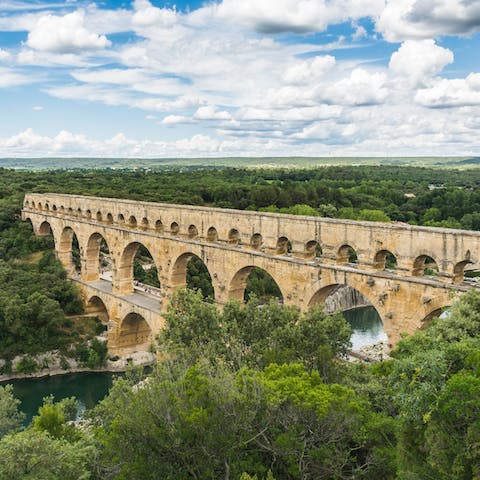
x,y
144,224
212,235
70,211
45,229
88,214
192,231
346,255
109,218
436,313
99,216
120,219
233,237
358,311
159,226
96,307
26,204
69,251
284,246
385,260
254,281
313,250
62,210
174,228
39,206
425,265
256,241
98,260
79,213
460,275
189,271
132,222
47,207
54,208
138,270
135,334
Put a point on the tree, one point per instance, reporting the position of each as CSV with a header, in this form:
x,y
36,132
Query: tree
x,y
10,418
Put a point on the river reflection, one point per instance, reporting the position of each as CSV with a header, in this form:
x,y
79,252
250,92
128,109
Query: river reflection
x,y
367,327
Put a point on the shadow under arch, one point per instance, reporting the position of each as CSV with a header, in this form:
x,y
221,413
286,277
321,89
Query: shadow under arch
x,y
125,269
190,271
251,279
97,254
134,334
368,327
435,313
45,229
96,306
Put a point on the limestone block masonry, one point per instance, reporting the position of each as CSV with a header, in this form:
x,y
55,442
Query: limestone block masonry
x,y
307,256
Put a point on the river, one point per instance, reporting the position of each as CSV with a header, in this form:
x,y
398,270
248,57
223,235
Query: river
x,y
90,388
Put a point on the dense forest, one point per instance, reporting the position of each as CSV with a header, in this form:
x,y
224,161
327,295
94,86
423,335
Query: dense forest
x,y
250,392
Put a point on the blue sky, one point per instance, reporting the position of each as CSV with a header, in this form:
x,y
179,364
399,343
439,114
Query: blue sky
x,y
239,78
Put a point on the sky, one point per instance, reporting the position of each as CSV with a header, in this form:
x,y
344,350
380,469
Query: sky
x,y
224,78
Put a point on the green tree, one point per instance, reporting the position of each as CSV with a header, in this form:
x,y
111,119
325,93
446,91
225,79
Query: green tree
x,y
11,418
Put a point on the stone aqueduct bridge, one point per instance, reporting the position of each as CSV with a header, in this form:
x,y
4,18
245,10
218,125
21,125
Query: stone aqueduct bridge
x,y
231,243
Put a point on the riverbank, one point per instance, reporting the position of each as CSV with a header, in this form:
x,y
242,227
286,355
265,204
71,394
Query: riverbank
x,y
142,359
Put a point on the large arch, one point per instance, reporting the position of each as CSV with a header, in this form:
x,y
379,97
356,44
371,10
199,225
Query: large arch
x,y
425,265
238,285
96,306
134,334
45,229
124,274
95,245
190,271
69,251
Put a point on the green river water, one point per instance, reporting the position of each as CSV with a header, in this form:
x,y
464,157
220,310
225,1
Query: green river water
x,y
90,388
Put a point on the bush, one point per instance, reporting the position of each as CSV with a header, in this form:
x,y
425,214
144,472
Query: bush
x,y
27,365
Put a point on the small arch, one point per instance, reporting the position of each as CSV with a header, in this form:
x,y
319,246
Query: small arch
x,y
26,204
212,235
256,241
54,208
88,214
284,246
98,216
459,271
253,280
174,228
192,231
435,313
96,306
79,212
39,206
45,229
135,334
132,221
346,254
144,225
424,265
47,207
159,226
120,219
70,211
313,250
233,237
109,218
385,260
62,210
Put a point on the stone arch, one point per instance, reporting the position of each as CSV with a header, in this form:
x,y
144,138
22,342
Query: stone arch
x,y
62,210
134,333
26,204
45,229
435,312
459,271
284,246
144,224
425,265
233,237
39,206
96,306
54,208
238,284
346,254
70,211
124,274
192,232
79,212
99,216
212,235
313,250
92,256
174,228
88,214
109,218
47,207
69,250
385,260
256,241
179,277
159,228
120,219
132,221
